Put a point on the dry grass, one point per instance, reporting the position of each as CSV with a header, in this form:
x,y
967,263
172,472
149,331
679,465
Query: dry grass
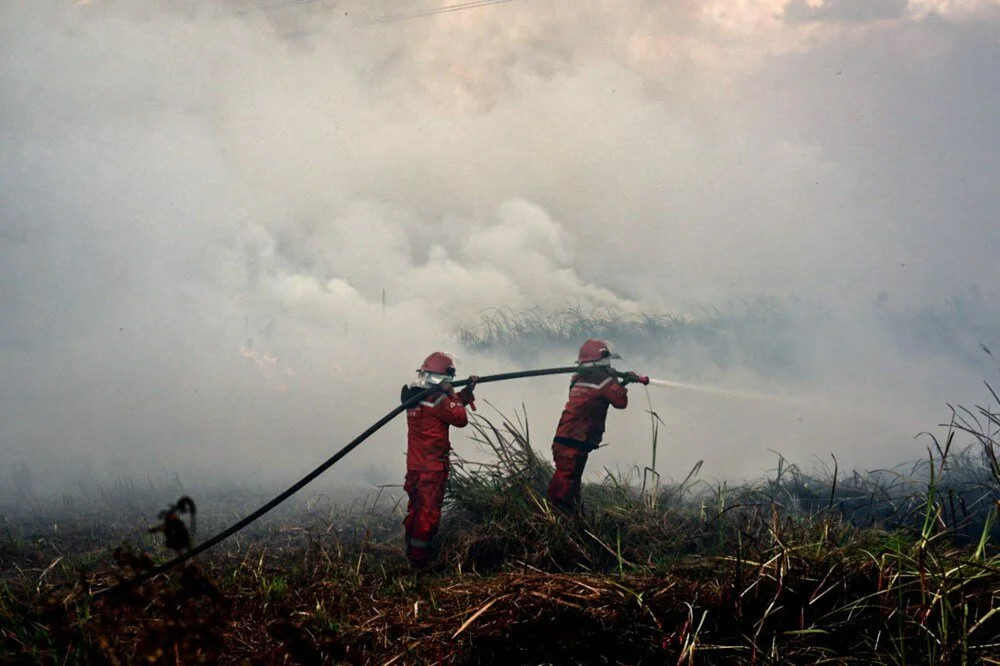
x,y
778,571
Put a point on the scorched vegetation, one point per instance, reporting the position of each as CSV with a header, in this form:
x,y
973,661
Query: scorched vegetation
x,y
893,567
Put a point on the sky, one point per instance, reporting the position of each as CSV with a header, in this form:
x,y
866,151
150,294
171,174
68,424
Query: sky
x,y
230,230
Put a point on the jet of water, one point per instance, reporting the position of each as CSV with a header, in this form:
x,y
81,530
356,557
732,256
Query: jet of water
x,y
719,391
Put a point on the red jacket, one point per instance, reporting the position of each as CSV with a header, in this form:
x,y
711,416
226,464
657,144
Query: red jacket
x,y
581,425
427,443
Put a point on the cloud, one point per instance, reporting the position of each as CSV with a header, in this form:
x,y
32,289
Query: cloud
x,y
845,10
959,9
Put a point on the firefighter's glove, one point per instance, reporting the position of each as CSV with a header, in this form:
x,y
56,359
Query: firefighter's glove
x,y
466,395
630,377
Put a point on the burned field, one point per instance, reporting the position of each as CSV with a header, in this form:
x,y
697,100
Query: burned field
x,y
231,230
800,567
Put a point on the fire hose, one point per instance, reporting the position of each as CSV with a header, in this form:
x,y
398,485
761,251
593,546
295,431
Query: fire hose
x,y
336,457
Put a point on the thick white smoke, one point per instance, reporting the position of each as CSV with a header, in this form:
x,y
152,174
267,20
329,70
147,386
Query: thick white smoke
x,y
230,232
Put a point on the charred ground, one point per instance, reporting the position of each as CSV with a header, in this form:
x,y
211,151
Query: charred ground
x,y
885,567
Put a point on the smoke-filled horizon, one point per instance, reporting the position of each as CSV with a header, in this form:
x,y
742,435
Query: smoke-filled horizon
x,y
230,231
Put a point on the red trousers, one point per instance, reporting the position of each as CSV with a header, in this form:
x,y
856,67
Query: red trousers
x,y
423,512
564,488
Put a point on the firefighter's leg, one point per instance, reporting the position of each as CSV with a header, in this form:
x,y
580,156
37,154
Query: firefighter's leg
x,y
412,511
564,489
579,462
410,486
426,491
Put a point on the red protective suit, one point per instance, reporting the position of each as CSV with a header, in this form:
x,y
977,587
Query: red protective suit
x,y
580,430
427,448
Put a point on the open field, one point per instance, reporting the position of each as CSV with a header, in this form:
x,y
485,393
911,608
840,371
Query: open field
x,y
893,566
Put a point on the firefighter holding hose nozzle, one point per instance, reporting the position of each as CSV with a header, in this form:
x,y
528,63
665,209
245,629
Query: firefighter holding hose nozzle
x,y
594,388
427,449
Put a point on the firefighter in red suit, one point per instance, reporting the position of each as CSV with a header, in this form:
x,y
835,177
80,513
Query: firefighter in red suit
x,y
427,449
592,390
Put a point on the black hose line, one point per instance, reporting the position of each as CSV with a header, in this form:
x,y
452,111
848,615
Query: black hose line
x,y
332,460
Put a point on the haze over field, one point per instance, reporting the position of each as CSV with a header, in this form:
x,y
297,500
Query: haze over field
x,y
202,205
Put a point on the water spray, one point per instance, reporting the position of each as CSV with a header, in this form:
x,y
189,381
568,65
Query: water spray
x,y
711,390
715,390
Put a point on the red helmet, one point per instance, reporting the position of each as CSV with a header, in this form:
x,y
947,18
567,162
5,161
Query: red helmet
x,y
594,350
439,363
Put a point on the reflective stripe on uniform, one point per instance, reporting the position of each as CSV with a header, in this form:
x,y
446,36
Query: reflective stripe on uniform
x,y
419,544
432,404
593,386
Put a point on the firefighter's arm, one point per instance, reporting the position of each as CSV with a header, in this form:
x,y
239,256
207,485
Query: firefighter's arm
x,y
451,410
616,394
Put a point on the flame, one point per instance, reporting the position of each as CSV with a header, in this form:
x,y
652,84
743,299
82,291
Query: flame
x,y
268,365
